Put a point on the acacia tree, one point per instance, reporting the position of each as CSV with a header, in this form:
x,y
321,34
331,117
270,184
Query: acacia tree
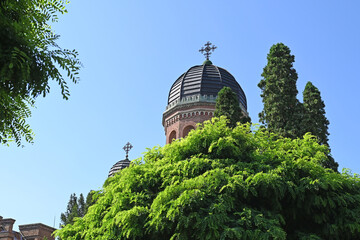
x,y
227,104
282,111
226,183
29,58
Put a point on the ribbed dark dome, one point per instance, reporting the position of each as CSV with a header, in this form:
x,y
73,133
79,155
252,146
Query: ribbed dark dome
x,y
119,166
205,80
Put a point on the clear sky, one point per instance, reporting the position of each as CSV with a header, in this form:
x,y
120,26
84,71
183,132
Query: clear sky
x,y
132,52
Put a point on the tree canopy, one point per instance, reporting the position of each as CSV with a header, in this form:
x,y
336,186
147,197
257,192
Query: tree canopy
x,y
314,119
226,183
29,58
282,111
76,207
227,104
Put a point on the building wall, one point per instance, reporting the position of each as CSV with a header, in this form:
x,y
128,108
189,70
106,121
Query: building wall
x,y
36,231
178,123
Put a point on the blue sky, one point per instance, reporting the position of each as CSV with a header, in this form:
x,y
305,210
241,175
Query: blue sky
x,y
132,52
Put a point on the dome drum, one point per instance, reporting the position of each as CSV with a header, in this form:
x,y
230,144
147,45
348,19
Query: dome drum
x,y
181,122
195,100
185,112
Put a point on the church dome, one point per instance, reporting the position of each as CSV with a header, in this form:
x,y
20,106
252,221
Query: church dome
x,y
204,81
119,166
122,163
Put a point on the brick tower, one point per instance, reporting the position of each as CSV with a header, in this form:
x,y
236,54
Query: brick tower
x,y
192,97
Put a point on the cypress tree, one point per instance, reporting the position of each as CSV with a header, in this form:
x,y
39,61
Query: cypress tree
x,y
89,200
76,207
314,119
227,104
81,205
72,211
282,111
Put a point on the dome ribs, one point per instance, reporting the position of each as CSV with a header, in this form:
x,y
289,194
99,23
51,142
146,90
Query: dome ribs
x,y
204,80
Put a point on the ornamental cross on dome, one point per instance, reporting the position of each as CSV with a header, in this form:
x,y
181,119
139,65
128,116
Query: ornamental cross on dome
x,y
209,48
127,148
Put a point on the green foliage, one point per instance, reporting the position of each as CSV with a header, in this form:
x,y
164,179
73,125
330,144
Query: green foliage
x,y
227,104
77,207
72,211
226,183
282,111
207,62
89,201
13,112
314,119
29,58
81,205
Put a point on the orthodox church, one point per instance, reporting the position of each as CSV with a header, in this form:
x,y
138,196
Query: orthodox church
x,y
192,99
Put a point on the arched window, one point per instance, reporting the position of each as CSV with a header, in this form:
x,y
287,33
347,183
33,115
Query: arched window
x,y
186,130
172,136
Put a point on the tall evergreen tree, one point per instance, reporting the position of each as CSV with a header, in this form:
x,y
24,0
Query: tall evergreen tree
x,y
89,200
81,205
314,119
77,207
227,104
282,111
72,211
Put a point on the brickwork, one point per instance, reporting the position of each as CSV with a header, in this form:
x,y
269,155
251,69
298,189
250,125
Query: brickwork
x,y
6,229
180,120
35,231
7,224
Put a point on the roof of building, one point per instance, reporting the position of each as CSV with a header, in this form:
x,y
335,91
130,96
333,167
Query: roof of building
x,y
119,166
204,80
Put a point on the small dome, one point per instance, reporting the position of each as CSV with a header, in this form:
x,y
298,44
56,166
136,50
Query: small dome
x,y
205,80
119,166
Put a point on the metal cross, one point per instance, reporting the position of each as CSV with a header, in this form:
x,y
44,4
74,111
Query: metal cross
x,y
127,148
207,50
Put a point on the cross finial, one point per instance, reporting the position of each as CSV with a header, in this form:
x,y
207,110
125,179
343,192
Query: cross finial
x,y
207,50
127,148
